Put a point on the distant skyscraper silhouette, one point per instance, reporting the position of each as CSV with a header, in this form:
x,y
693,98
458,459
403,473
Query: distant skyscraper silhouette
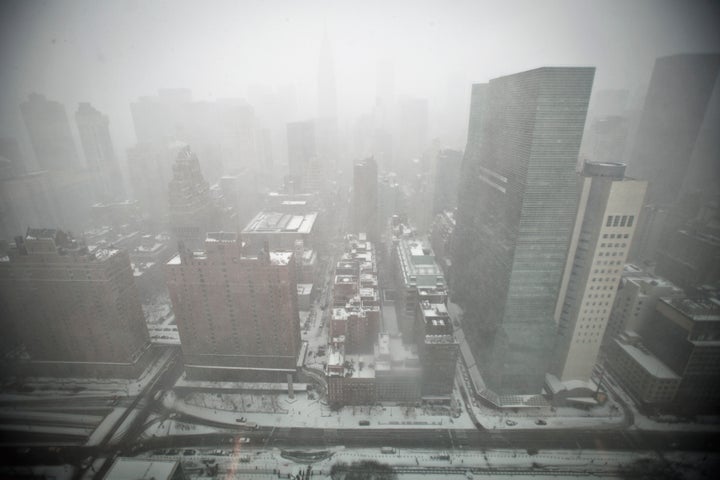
x,y
192,212
94,129
303,162
678,95
326,125
327,94
515,217
50,136
365,199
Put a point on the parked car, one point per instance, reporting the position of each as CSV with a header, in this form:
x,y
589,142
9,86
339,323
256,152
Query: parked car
x,y
189,451
540,421
510,423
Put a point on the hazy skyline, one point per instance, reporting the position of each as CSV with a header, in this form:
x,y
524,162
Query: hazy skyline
x,y
109,53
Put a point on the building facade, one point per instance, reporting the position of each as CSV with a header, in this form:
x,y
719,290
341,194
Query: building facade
x,y
604,229
675,105
48,127
684,334
236,311
516,209
414,269
192,212
365,199
75,309
94,129
635,301
438,350
304,165
680,90
648,379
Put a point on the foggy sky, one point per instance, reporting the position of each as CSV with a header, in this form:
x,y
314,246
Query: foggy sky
x,y
109,53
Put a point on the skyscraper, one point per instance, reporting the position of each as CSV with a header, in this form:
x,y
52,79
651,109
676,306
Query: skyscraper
x,y
192,212
447,176
517,206
236,311
94,129
49,130
437,348
327,121
365,199
71,188
75,308
303,162
327,94
604,228
678,95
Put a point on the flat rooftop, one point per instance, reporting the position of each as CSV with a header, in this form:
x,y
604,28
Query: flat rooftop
x,y
304,288
132,469
698,309
276,222
649,362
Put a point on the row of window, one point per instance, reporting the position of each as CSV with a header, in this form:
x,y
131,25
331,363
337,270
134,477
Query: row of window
x,y
620,221
619,235
611,245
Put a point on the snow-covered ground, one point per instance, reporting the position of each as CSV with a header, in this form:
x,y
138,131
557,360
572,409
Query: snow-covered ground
x,y
242,461
158,311
164,427
609,415
63,388
104,427
665,422
87,408
302,411
57,472
604,416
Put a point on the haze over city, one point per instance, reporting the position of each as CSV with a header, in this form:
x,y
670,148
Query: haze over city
x,y
345,239
111,53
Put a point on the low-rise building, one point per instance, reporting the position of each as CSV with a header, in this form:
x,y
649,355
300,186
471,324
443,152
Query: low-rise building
x,y
137,469
414,268
391,373
438,350
675,358
635,301
685,335
648,379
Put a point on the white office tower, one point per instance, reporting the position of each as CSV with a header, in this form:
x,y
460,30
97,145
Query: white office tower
x,y
604,227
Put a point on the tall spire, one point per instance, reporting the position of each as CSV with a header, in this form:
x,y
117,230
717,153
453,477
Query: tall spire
x,y
327,95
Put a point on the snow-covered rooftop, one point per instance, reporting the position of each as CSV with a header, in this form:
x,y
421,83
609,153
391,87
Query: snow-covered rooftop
x,y
276,222
102,253
649,362
132,469
280,258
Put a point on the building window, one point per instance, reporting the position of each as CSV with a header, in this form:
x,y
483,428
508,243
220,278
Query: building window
x,y
623,221
609,221
616,221
631,218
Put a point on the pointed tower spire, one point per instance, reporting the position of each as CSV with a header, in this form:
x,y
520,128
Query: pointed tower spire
x,y
327,95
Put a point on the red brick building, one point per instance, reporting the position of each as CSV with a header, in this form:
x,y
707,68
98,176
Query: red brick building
x,y
237,313
70,309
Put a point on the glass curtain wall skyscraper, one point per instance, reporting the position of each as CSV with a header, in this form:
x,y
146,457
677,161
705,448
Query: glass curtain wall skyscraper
x,y
516,213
